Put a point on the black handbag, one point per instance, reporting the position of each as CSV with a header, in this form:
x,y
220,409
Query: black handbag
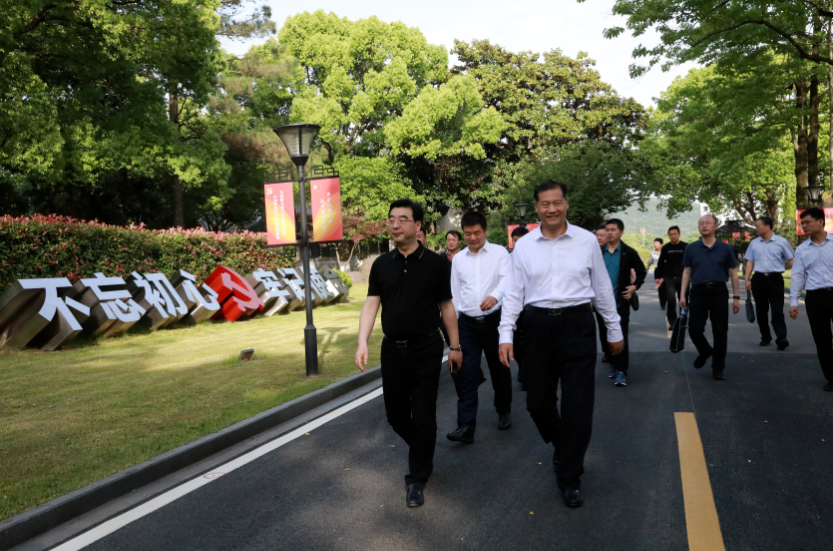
x,y
678,334
635,301
750,308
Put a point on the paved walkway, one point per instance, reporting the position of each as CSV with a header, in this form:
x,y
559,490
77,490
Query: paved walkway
x,y
765,430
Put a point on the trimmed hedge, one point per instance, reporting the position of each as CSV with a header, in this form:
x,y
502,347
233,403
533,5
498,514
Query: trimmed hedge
x,y
59,246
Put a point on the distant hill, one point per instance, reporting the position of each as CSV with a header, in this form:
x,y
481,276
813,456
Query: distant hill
x,y
655,222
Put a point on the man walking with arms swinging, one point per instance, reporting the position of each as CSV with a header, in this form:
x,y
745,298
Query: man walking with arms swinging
x,y
557,270
409,283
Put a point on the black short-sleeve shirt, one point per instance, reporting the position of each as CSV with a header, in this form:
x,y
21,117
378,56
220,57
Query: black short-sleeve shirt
x,y
709,263
411,289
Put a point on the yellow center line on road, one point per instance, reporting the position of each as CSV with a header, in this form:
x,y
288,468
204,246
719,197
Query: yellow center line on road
x,y
700,513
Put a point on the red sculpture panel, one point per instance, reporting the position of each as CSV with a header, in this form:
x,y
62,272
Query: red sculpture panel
x,y
238,299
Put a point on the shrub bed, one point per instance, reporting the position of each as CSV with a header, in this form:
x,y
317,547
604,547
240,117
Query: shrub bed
x,y
59,246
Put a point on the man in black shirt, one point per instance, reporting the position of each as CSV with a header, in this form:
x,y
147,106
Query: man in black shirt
x,y
410,283
670,269
708,264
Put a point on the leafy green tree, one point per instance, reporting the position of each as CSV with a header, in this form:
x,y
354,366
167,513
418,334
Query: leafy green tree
x,y
734,35
707,142
601,179
101,74
547,101
379,90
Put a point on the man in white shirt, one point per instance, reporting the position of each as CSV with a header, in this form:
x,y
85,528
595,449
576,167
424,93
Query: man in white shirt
x,y
813,271
478,276
769,255
557,270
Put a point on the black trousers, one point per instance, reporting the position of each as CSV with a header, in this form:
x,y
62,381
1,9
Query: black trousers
x,y
561,349
709,303
410,380
768,291
663,295
820,313
620,361
672,293
477,339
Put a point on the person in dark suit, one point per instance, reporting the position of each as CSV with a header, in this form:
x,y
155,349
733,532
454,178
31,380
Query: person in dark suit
x,y
627,274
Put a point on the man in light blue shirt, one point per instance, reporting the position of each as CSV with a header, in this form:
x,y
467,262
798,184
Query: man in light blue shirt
x,y
813,271
769,255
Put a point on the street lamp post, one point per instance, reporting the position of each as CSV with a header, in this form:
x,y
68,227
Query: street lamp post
x,y
522,207
297,138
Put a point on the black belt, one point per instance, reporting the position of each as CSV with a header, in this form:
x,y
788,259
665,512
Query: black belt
x,y
767,274
480,319
709,285
828,289
413,341
586,307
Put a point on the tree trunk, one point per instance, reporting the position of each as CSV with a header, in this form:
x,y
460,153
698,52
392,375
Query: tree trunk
x,y
830,103
177,189
799,139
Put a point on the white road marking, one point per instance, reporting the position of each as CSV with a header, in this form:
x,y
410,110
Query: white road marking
x,y
107,528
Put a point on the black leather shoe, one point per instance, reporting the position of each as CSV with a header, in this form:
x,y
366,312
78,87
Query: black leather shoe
x,y
828,387
414,496
555,459
464,433
702,359
572,498
764,342
504,421
717,374
782,345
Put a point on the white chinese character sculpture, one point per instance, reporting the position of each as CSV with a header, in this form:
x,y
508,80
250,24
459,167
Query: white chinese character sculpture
x,y
158,297
272,290
113,311
36,312
201,302
295,283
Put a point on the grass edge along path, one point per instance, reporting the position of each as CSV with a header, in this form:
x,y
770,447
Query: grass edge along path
x,y
74,416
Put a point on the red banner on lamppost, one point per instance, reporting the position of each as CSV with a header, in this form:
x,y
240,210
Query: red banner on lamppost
x,y
280,213
326,210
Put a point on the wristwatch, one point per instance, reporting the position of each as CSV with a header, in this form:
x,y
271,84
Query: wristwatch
x,y
736,297
456,348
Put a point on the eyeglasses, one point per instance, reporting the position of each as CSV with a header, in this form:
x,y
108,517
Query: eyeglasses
x,y
402,220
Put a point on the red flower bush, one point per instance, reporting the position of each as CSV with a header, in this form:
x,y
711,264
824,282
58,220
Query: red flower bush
x,y
60,246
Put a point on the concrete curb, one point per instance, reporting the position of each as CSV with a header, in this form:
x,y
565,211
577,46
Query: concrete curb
x,y
38,520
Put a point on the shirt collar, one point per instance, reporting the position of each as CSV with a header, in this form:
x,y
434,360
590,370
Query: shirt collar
x,y
420,250
486,247
606,250
540,235
826,239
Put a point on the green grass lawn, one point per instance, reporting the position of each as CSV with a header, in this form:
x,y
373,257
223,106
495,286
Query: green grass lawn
x,y
71,417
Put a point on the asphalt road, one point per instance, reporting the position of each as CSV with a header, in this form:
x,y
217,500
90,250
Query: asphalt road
x,y
766,434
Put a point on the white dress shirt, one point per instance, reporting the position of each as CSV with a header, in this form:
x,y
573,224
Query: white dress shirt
x,y
812,269
477,276
769,256
557,273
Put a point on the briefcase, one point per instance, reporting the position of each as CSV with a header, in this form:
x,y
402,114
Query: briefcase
x,y
678,334
750,308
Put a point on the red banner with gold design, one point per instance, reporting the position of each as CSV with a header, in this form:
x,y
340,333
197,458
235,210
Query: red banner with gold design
x,y
326,210
280,213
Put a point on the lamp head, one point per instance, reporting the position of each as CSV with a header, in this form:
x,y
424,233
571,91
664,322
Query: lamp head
x,y
297,138
522,207
814,191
